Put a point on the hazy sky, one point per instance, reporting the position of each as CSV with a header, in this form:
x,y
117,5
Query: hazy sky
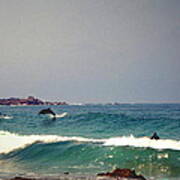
x,y
90,50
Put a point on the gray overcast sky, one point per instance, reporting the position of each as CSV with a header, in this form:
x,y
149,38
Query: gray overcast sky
x,y
90,50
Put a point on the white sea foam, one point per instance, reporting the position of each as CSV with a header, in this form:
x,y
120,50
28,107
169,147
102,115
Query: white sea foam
x,y
143,142
10,141
5,117
59,115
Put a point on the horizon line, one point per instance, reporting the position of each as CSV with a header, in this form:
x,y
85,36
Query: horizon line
x,y
108,102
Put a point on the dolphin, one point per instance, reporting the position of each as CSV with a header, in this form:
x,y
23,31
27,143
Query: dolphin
x,y
47,111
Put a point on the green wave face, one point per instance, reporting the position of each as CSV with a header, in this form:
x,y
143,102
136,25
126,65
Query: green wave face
x,y
91,158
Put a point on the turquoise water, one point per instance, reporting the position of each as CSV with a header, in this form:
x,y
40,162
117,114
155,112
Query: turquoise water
x,y
91,139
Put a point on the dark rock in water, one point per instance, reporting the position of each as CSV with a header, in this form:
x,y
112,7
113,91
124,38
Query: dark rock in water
x,y
47,111
123,173
22,178
155,136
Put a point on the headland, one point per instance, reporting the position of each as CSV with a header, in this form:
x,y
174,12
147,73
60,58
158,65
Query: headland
x,y
29,101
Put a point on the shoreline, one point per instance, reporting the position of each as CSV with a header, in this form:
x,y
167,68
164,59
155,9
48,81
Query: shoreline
x,y
63,176
77,177
118,174
66,177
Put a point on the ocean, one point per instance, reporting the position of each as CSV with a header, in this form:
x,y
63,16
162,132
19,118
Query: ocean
x,y
90,139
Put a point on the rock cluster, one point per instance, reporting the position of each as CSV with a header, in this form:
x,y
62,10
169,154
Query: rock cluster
x,y
122,173
28,101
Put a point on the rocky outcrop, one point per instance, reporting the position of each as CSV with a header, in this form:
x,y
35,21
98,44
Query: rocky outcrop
x,y
22,178
122,173
28,101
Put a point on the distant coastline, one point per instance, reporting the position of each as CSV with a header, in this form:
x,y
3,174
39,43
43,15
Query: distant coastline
x,y
29,101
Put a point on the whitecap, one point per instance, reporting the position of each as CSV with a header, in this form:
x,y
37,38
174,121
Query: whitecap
x,y
5,117
145,142
11,141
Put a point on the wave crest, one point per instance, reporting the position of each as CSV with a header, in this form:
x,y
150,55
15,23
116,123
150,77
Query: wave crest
x,y
145,142
11,141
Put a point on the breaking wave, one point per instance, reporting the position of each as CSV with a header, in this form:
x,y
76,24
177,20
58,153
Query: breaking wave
x,y
11,141
143,142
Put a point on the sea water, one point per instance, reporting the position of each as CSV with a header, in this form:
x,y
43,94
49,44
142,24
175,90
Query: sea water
x,y
91,139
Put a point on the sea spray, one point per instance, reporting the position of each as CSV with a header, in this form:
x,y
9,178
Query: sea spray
x,y
59,115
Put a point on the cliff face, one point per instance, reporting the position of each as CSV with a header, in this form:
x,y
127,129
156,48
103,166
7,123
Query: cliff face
x,y
28,101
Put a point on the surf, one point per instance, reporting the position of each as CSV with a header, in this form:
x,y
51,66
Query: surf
x,y
143,142
10,141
